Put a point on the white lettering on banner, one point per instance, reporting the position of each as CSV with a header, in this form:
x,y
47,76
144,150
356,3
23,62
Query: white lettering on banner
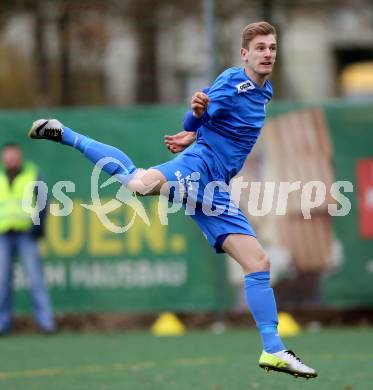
x,y
128,274
55,276
111,274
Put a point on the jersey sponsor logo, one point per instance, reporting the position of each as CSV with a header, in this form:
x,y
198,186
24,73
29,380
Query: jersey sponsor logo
x,y
245,86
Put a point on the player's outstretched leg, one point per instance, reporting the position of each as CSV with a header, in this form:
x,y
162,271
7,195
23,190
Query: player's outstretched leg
x,y
54,130
247,251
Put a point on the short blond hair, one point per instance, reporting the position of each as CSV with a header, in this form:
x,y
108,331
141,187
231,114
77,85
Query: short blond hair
x,y
254,29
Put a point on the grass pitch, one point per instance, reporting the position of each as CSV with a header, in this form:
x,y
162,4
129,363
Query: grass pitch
x,y
195,361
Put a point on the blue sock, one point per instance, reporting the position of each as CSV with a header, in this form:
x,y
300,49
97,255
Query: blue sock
x,y
262,305
95,151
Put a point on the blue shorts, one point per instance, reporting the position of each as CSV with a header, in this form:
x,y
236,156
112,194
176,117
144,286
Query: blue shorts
x,y
196,181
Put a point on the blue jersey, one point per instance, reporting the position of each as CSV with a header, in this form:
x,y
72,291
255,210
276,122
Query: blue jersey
x,y
226,134
235,116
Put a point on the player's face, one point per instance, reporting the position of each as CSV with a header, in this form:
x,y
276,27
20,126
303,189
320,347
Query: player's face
x,y
261,55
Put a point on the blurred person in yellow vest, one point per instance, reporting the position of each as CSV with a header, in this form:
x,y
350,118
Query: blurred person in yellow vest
x,y
19,238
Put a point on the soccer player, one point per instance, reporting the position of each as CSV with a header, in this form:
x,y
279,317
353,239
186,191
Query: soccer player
x,y
222,127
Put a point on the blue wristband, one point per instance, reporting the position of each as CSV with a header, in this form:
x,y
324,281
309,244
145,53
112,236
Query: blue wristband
x,y
192,123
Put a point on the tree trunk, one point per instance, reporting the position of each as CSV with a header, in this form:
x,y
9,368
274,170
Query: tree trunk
x,y
145,17
64,40
41,60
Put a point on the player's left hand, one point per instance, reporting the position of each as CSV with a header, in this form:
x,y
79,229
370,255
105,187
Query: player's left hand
x,y
199,103
180,141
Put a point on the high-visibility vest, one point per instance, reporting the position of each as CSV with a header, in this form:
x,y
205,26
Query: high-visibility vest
x,y
12,215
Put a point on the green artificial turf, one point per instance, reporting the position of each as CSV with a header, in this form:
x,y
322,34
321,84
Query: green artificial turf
x,y
194,361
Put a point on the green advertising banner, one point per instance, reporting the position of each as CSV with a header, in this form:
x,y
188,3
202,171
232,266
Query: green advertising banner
x,y
166,266
348,280
351,130
90,268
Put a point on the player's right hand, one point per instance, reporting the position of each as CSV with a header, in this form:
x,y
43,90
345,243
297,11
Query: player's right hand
x,y
199,103
180,141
